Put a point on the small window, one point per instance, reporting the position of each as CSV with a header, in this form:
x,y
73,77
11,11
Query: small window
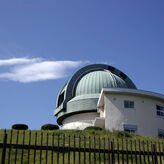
x,y
160,111
129,104
161,133
61,98
130,128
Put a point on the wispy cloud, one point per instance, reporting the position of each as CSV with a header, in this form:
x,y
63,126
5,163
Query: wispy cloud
x,y
36,69
16,61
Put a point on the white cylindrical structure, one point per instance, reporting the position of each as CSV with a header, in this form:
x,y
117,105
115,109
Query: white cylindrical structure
x,y
79,121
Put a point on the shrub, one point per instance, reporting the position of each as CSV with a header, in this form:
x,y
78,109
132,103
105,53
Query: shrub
x,y
93,128
49,127
20,127
121,134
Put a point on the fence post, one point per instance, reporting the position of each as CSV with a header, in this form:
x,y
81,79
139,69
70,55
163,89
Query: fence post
x,y
112,148
4,148
155,154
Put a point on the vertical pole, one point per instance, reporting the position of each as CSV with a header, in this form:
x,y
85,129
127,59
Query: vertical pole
x,y
104,149
147,143
112,148
29,143
159,147
109,151
140,151
131,149
94,150
122,147
52,153
118,153
47,148
16,151
11,134
155,155
74,149
84,150
127,157
89,150
63,146
99,151
35,146
79,149
4,148
143,144
58,149
152,155
135,151
41,141
22,148
69,149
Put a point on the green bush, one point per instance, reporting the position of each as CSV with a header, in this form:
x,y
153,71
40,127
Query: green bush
x,y
49,127
93,128
20,127
120,134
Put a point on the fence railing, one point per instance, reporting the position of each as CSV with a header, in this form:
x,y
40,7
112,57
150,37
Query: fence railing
x,y
26,147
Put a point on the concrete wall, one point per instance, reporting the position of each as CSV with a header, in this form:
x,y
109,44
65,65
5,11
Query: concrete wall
x,y
143,115
79,121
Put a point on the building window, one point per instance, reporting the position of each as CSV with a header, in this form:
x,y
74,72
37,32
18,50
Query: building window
x,y
130,128
160,111
60,99
129,104
161,133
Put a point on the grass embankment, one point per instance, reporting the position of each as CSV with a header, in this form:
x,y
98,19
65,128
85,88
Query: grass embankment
x,y
99,135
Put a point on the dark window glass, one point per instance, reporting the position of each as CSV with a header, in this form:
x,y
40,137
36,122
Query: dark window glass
x,y
160,110
128,104
161,133
61,98
158,107
131,104
130,128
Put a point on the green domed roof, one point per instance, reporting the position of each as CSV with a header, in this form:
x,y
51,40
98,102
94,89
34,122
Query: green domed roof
x,y
81,92
93,82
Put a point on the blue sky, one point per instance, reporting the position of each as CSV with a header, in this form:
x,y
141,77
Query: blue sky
x,y
43,42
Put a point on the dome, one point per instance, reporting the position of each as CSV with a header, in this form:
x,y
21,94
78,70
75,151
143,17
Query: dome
x,y
93,82
80,94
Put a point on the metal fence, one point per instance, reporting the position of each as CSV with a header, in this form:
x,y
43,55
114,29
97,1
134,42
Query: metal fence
x,y
25,147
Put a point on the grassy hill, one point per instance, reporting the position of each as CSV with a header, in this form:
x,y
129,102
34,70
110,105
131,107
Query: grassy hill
x,y
77,137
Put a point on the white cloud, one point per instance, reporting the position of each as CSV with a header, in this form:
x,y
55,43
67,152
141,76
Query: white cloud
x,y
31,70
14,61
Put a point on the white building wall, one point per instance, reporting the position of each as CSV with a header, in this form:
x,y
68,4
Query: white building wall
x,y
143,115
79,121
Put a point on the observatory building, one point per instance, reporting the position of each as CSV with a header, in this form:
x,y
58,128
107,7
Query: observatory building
x,y
103,96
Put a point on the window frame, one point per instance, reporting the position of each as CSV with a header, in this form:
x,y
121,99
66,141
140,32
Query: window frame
x,y
130,128
160,111
161,133
128,104
61,98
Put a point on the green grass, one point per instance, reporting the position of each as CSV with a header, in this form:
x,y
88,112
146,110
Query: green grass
x,y
99,135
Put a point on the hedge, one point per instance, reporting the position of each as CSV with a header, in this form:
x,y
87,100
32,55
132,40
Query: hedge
x,y
20,126
49,127
93,128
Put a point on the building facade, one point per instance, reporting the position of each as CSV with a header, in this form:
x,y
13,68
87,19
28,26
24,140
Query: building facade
x,y
132,110
101,95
